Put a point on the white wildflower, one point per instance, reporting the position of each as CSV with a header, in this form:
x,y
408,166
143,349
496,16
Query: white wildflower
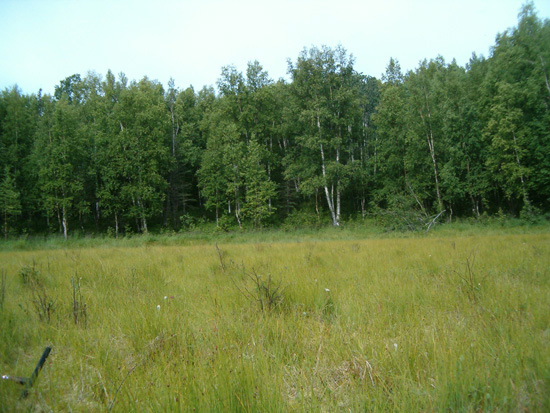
x,y
158,307
327,290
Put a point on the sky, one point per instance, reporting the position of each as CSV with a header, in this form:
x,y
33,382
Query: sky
x,y
45,41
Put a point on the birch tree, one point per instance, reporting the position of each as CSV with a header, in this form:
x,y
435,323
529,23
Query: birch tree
x,y
325,97
144,157
59,154
428,123
517,113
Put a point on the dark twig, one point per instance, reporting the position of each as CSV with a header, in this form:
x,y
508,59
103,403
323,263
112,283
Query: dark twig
x,y
30,381
112,402
220,256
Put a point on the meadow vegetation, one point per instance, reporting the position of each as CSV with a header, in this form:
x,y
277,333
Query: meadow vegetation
x,y
456,319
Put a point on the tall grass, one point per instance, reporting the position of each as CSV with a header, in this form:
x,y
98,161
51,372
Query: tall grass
x,y
448,322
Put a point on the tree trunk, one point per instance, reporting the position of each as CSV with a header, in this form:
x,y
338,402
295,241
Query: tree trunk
x,y
59,219
65,224
81,221
144,224
116,225
238,213
436,176
338,203
330,199
317,202
330,202
413,193
143,218
431,145
269,179
287,197
526,201
544,71
338,190
136,219
97,214
475,206
173,200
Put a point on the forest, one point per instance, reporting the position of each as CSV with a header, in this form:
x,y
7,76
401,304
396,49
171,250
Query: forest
x,y
117,156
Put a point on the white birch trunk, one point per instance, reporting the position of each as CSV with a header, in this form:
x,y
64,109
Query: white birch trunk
x,y
143,218
328,195
65,224
330,199
338,191
431,145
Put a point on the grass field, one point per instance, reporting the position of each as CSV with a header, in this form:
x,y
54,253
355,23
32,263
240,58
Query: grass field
x,y
452,321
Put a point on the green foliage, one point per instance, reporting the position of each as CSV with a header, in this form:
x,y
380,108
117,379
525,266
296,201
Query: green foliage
x,y
188,222
106,154
517,110
260,190
10,204
143,125
60,159
219,175
326,90
225,223
29,274
303,218
265,292
391,126
43,303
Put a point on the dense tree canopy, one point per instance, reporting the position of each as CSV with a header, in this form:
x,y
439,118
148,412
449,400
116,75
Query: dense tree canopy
x,y
109,154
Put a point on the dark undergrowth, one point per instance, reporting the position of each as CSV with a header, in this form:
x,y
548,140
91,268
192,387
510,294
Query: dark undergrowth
x,y
349,230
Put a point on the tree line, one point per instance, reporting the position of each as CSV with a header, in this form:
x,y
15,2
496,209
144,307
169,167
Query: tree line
x,y
109,154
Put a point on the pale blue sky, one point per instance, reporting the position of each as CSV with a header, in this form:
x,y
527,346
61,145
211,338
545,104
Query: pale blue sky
x,y
44,41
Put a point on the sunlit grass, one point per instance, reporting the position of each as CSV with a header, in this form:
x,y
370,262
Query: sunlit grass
x,y
417,324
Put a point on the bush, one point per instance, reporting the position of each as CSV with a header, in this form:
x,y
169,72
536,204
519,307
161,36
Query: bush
x,y
29,274
303,218
225,222
187,222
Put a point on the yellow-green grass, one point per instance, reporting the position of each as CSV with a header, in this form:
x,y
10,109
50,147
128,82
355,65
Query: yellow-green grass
x,y
458,323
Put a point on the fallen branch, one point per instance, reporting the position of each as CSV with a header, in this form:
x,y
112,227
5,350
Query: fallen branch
x,y
433,221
